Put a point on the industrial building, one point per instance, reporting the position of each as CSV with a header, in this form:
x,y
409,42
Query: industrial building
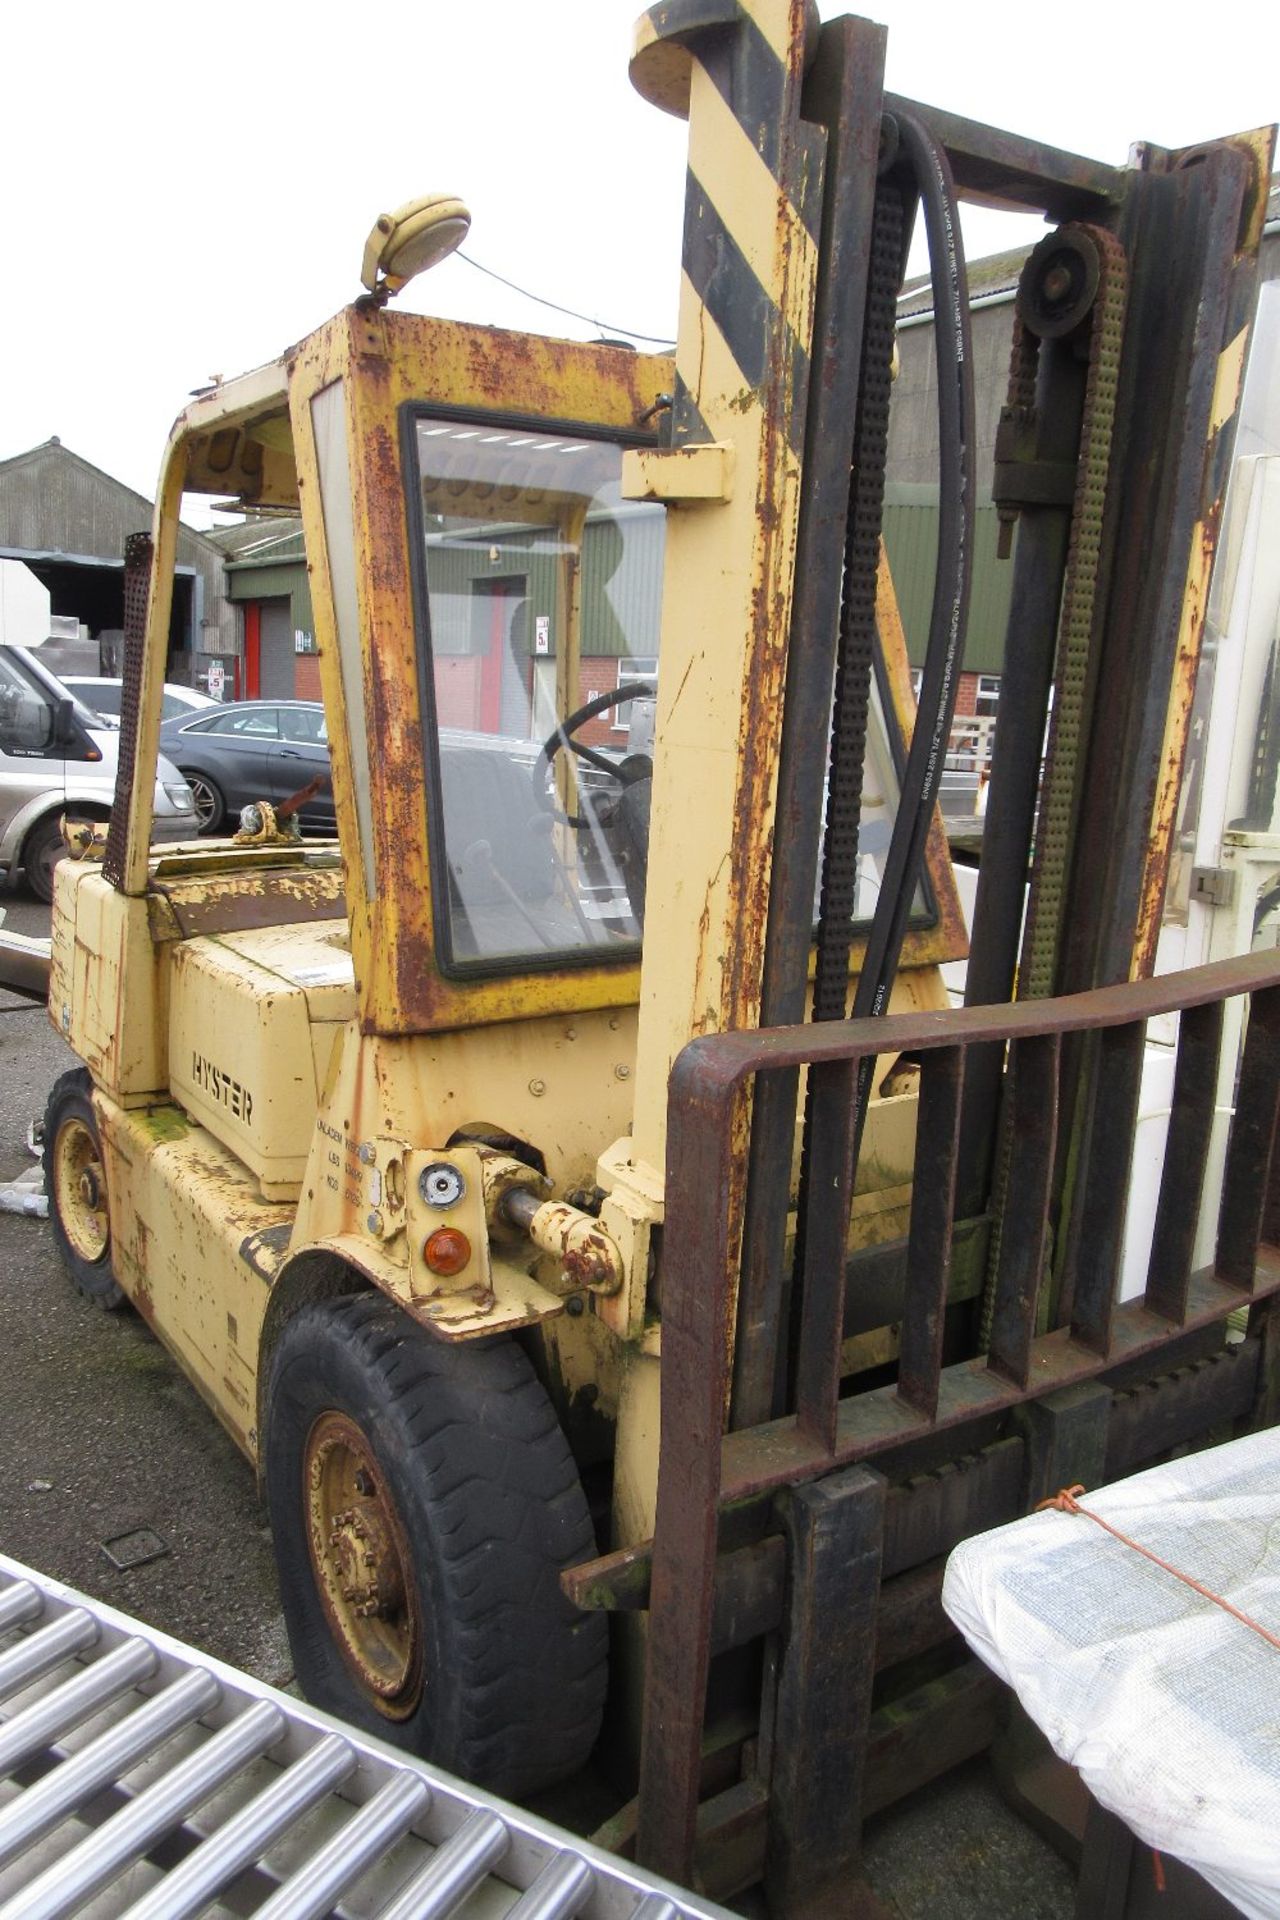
x,y
63,526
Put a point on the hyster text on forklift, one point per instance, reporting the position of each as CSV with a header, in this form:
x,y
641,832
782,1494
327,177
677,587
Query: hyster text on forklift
x,y
573,1191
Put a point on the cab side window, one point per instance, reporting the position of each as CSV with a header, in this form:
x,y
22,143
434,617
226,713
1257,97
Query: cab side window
x,y
27,718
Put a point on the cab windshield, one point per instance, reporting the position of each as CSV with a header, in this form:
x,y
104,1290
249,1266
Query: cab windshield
x,y
539,598
541,589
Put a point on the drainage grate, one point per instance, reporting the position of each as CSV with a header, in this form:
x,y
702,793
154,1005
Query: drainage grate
x,y
138,1548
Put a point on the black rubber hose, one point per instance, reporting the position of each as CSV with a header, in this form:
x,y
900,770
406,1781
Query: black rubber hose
x,y
905,861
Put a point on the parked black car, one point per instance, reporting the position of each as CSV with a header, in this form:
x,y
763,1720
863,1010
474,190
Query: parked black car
x,y
253,750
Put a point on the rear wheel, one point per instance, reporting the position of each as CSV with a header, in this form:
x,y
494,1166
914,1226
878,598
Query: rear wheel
x,y
76,1183
43,849
210,805
423,1504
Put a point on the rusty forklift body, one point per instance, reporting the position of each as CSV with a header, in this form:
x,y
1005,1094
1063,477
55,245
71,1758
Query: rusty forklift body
x,y
859,1273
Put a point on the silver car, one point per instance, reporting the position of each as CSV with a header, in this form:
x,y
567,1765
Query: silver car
x,y
57,757
104,696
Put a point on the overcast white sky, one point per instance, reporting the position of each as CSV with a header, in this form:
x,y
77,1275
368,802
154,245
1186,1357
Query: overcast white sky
x,y
188,189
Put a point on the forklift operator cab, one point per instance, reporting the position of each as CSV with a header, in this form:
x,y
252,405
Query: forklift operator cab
x,y
493,822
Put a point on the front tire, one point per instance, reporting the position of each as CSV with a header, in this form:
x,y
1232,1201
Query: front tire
x,y
423,1505
76,1183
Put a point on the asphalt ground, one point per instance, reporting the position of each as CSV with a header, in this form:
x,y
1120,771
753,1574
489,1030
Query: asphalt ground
x,y
104,1438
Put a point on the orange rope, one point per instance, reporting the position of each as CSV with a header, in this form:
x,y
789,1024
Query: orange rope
x,y
1066,1502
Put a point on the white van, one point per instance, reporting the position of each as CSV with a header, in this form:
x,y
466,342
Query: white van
x,y
104,697
57,757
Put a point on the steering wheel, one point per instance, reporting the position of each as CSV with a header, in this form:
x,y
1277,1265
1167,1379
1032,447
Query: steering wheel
x,y
563,737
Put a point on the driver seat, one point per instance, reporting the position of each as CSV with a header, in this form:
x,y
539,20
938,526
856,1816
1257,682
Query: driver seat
x,y
492,834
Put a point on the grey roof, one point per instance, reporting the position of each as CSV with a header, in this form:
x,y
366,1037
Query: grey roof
x,y
260,540
53,449
997,273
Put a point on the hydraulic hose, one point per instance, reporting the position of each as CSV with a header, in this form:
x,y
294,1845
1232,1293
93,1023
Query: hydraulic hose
x,y
952,577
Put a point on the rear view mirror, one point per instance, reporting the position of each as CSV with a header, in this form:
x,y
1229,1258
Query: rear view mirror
x,y
64,726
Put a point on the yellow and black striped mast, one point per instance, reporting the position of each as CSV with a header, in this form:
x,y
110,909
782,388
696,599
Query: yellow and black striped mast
x,y
731,475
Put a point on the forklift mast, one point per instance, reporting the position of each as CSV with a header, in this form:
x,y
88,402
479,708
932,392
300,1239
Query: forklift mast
x,y
793,1502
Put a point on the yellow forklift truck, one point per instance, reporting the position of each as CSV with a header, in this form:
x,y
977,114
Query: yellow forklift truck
x,y
511,1178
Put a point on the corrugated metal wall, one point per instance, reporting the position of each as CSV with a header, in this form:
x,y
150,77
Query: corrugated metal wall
x,y
911,537
621,585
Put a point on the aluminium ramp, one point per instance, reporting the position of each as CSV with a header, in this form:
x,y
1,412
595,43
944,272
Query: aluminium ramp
x,y
139,1777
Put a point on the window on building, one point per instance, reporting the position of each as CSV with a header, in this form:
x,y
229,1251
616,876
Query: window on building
x,y
629,670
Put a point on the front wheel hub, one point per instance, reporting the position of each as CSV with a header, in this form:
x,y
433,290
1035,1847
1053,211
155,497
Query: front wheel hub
x,y
361,1561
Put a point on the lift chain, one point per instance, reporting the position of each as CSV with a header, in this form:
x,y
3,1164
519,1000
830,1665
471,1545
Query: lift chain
x,y
1017,412
1044,915
1036,977
858,610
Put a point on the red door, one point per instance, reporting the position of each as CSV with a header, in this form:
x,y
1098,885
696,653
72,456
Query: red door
x,y
252,649
498,595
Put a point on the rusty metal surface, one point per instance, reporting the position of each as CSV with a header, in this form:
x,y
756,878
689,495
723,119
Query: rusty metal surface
x,y
1039,564
1252,1144
1007,169
877,1422
842,91
702,1468
1216,1389
1185,1155
929,1245
825,1681
1034,1068
240,898
709,1067
1095,1237
390,361
742,374
1180,228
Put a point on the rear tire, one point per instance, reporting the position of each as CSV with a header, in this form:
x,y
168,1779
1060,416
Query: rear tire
x,y
43,849
210,805
423,1505
75,1181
